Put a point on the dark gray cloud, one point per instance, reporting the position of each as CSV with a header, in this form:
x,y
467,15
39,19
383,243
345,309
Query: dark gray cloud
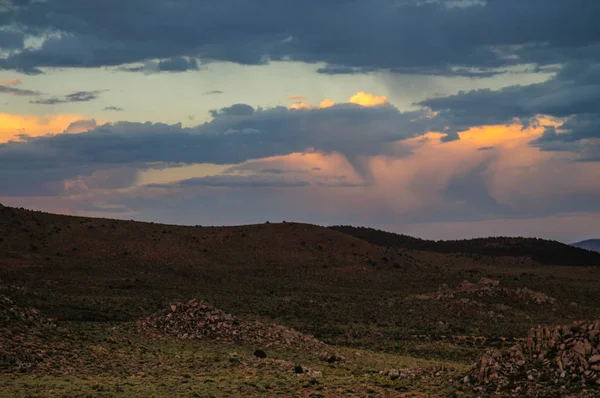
x,y
120,177
573,95
451,135
80,126
252,181
233,110
113,108
18,91
11,40
574,90
237,134
457,38
581,135
442,71
178,64
79,96
173,64
257,168
213,92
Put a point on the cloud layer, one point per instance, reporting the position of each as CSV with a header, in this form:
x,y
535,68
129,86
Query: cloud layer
x,y
455,38
78,96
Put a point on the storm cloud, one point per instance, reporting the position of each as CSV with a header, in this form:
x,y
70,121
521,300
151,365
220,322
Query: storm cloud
x,y
455,38
236,134
571,96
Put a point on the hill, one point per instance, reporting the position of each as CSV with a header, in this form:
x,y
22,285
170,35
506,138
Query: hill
x,y
590,244
90,269
393,320
543,251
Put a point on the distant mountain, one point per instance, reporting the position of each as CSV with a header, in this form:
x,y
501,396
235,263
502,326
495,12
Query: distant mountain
x,y
590,244
540,250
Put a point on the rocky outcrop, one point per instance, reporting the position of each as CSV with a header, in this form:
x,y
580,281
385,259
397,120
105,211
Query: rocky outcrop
x,y
486,288
559,356
197,319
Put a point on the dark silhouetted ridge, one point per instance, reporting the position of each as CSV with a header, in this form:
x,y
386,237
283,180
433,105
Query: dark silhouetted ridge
x,y
540,250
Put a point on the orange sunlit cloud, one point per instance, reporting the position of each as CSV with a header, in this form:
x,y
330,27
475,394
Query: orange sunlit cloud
x,y
301,105
365,99
361,98
10,82
326,103
12,126
505,135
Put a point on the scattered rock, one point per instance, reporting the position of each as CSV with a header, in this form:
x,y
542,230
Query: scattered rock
x,y
197,319
486,288
417,373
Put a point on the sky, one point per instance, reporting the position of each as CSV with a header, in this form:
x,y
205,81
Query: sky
x,y
443,119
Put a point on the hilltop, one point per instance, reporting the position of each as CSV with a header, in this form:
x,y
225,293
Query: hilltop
x,y
391,318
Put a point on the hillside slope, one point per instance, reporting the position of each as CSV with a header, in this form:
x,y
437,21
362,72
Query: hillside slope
x,y
540,250
126,259
315,279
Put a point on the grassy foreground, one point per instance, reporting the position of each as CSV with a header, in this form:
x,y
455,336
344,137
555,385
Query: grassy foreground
x,y
113,364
